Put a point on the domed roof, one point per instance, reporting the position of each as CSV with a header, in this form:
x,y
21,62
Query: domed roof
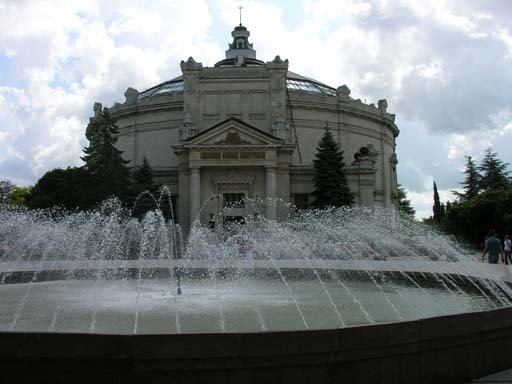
x,y
294,82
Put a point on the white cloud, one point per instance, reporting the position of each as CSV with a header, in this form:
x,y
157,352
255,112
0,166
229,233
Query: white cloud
x,y
136,20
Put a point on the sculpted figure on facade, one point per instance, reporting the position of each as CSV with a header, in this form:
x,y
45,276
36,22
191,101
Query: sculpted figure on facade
x,y
280,127
188,128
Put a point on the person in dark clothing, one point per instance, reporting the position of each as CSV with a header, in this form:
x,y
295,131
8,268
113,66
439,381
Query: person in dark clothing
x,y
493,246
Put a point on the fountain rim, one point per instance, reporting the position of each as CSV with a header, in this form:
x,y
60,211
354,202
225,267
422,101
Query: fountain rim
x,y
466,268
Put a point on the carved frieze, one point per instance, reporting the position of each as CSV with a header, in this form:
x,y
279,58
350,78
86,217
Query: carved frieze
x,y
232,138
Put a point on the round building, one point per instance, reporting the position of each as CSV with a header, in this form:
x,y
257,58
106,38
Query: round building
x,y
228,139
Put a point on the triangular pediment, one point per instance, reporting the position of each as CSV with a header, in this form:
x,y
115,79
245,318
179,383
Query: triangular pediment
x,y
233,132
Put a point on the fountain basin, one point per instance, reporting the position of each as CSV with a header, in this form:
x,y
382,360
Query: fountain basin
x,y
436,347
446,349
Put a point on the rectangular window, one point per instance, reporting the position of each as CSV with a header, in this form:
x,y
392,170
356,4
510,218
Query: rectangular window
x,y
233,200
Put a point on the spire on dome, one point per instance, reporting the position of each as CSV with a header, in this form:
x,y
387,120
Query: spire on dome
x,y
240,49
240,52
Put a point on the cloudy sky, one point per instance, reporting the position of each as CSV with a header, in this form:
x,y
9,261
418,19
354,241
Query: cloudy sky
x,y
445,67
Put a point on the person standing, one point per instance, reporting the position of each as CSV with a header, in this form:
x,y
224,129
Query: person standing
x,y
493,246
507,247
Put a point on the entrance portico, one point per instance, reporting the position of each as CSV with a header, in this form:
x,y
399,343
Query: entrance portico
x,y
232,170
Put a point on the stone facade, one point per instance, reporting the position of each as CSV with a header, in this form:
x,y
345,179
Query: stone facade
x,y
251,128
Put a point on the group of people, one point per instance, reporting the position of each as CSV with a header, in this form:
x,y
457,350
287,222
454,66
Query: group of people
x,y
495,249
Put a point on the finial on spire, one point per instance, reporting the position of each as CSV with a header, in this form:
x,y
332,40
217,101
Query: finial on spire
x,y
240,8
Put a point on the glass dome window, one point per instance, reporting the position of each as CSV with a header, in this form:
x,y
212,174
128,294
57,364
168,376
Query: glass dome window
x,y
308,86
163,89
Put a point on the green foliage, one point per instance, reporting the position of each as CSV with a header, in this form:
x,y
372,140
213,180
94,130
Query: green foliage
x,y
104,162
485,203
472,218
19,196
11,194
142,177
494,174
404,204
67,188
331,186
471,183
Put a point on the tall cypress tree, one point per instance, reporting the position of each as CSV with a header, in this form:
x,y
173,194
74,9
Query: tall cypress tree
x,y
471,183
331,185
438,208
103,160
142,178
494,172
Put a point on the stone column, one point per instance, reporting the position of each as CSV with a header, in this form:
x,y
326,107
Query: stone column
x,y
195,193
271,192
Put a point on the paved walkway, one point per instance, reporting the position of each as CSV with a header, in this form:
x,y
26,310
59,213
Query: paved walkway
x,y
499,377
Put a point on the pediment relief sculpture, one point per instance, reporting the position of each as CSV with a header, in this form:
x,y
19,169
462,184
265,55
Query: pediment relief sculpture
x,y
233,138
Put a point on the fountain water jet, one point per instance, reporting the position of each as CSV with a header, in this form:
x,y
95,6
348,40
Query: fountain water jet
x,y
329,260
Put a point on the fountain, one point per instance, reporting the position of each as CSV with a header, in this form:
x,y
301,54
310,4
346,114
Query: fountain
x,y
319,278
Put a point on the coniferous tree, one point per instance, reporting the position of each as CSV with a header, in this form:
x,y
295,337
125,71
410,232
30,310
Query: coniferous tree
x,y
471,183
404,204
438,208
103,160
331,185
494,172
143,182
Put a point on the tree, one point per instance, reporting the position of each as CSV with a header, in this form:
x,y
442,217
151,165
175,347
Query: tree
x,y
494,172
471,183
68,188
404,204
6,188
438,208
103,160
143,181
471,219
19,196
331,186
